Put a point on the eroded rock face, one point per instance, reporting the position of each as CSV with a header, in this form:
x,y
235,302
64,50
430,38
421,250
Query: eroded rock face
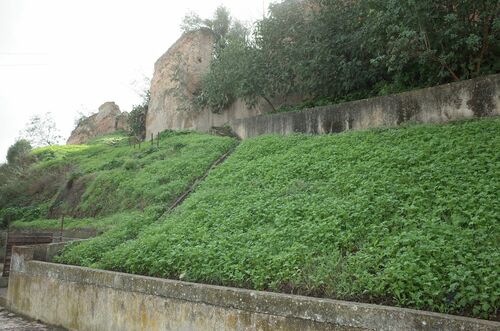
x,y
108,119
176,81
177,77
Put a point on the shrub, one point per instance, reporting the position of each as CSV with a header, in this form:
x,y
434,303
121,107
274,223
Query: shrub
x,y
130,165
137,117
25,214
19,153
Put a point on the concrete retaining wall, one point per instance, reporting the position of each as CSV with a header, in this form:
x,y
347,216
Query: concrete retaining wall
x,y
68,234
74,233
467,99
86,299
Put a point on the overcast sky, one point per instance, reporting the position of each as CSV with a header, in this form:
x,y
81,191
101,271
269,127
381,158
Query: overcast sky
x,y
66,56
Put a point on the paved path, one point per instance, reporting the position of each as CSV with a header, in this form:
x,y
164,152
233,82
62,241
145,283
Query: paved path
x,y
13,322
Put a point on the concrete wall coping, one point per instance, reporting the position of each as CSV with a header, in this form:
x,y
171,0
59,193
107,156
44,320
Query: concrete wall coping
x,y
336,312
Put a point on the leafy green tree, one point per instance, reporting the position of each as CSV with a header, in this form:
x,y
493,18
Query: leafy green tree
x,y
227,80
230,59
219,24
137,117
433,41
337,64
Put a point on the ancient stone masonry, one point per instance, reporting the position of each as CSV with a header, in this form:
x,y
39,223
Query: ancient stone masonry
x,y
109,119
177,79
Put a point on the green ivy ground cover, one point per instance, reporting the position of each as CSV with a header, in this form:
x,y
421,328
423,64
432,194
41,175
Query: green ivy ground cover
x,y
407,216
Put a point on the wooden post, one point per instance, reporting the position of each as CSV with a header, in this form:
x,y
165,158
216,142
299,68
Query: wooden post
x,y
158,140
4,272
152,140
62,228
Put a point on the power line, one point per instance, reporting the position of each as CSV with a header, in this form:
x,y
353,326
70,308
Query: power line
x,y
22,53
24,64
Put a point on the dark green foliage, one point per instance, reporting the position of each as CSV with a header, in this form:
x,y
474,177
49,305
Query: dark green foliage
x,y
29,213
7,173
401,216
232,57
19,154
337,50
428,42
137,117
220,87
31,189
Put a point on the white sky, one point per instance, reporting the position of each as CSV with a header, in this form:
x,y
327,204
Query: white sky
x,y
66,56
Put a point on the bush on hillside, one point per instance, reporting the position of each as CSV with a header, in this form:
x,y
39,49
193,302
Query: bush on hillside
x,y
137,117
18,155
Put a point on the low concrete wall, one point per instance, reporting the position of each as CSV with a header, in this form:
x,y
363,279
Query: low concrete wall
x,y
86,299
467,99
68,234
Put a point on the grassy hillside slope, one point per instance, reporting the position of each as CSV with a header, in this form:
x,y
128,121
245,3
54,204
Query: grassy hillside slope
x,y
405,216
106,181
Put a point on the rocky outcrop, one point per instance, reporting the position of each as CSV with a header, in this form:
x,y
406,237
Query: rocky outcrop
x,y
108,119
176,81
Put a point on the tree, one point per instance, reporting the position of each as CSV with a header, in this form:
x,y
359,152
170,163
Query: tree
x,y
221,87
137,117
436,41
228,59
41,131
220,23
18,155
6,174
341,50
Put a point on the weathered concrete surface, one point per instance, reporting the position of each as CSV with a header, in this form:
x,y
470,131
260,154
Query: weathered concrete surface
x,y
4,281
86,299
473,98
176,81
107,120
72,233
3,295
